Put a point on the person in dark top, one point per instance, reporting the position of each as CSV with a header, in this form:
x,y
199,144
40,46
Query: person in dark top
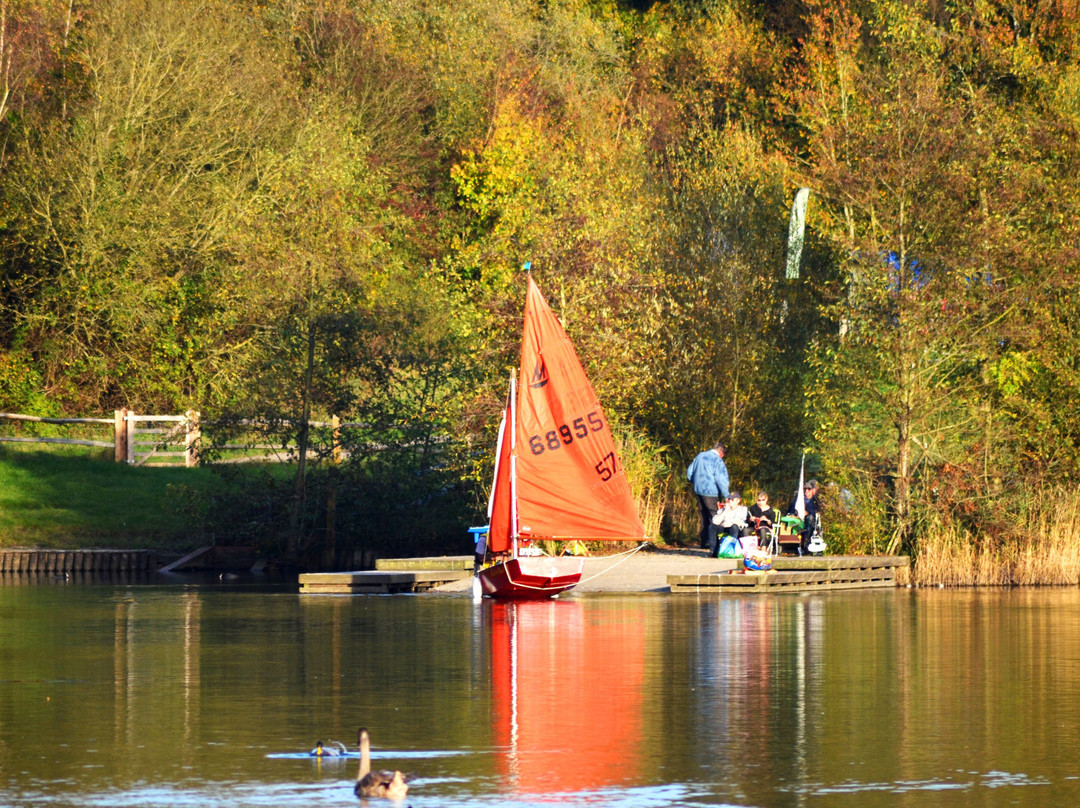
x,y
762,517
811,516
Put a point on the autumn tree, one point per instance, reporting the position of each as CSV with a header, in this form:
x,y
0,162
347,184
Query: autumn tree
x,y
123,292
916,163
726,333
716,350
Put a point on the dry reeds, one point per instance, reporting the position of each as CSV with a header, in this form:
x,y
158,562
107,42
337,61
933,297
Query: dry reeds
x,y
1047,553
647,475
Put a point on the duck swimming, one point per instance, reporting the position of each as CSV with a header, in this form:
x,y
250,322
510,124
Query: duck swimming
x,y
391,785
336,749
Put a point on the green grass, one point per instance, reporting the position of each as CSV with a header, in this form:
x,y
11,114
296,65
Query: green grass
x,y
66,499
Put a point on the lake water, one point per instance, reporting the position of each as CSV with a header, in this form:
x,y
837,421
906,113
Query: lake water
x,y
139,695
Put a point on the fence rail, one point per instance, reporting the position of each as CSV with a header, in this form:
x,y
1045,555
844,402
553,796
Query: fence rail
x,y
10,416
132,440
100,444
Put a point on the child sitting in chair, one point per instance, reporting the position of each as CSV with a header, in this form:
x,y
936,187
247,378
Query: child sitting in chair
x,y
730,522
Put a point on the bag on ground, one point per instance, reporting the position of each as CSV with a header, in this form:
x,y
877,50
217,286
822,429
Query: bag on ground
x,y
758,561
729,548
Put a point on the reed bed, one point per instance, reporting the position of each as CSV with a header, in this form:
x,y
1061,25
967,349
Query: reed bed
x,y
647,474
1046,553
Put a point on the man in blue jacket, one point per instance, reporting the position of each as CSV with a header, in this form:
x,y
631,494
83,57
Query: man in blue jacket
x,y
709,477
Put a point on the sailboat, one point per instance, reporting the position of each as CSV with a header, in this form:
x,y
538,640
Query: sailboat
x,y
557,473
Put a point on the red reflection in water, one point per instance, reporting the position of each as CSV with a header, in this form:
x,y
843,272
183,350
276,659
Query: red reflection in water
x,y
567,694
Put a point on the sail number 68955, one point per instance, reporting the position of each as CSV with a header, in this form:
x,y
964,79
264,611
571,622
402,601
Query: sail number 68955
x,y
565,434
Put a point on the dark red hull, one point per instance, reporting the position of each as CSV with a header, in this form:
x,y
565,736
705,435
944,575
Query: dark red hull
x,y
531,578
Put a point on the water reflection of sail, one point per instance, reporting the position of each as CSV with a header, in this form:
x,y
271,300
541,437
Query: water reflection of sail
x,y
567,694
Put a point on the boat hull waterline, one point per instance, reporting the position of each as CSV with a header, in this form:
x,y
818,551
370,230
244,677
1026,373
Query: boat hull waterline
x,y
531,578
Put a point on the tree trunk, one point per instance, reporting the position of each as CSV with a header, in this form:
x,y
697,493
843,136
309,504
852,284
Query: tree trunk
x,y
302,441
904,416
902,493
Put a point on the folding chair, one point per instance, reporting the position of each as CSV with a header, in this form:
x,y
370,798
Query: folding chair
x,y
773,542
789,534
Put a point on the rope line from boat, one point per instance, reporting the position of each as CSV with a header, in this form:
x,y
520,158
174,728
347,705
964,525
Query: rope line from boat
x,y
626,553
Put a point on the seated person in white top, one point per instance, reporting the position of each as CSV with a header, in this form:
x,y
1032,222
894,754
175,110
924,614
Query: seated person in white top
x,y
733,518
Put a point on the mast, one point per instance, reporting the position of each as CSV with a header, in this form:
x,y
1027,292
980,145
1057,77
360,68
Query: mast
x,y
513,465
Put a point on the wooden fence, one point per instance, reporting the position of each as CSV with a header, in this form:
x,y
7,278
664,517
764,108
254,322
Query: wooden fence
x,y
158,440
258,451
141,440
164,440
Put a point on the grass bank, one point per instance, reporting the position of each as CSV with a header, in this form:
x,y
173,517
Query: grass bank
x,y
67,500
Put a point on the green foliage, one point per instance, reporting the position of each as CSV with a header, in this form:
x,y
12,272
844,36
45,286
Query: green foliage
x,y
925,180
646,469
118,238
20,385
728,342
397,500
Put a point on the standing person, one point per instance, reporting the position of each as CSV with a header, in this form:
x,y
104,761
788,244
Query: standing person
x,y
709,477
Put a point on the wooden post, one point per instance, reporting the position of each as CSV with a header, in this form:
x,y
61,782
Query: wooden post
x,y
191,440
330,548
336,424
129,417
119,435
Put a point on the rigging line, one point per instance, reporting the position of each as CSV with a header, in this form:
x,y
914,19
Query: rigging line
x,y
626,553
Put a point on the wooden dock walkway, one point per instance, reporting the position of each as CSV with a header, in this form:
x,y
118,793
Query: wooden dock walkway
x,y
428,563
54,562
800,574
390,576
39,562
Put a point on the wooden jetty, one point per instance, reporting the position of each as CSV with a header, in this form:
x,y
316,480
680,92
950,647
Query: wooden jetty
x,y
391,575
55,562
428,564
800,574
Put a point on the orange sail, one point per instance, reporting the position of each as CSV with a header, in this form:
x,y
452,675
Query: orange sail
x,y
570,483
